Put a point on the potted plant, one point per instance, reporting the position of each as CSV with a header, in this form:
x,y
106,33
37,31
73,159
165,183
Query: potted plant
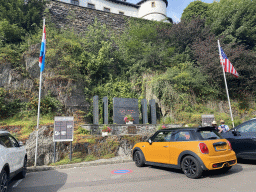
x,y
128,119
106,130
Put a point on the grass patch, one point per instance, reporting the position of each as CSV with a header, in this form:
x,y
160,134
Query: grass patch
x,y
27,124
77,157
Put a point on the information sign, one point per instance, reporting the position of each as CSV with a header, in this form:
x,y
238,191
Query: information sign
x,y
63,129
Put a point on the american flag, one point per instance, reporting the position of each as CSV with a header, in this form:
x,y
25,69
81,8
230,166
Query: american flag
x,y
228,67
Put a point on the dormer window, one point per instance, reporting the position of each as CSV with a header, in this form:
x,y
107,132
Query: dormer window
x,y
153,4
75,2
106,9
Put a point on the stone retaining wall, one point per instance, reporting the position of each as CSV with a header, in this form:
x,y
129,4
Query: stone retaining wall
x,y
67,16
125,129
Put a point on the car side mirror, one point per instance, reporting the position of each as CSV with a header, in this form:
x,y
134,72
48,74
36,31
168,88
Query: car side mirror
x,y
235,132
21,143
150,141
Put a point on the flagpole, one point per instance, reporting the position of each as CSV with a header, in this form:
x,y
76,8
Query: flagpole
x,y
226,86
38,112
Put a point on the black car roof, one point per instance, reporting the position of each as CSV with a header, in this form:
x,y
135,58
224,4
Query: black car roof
x,y
208,128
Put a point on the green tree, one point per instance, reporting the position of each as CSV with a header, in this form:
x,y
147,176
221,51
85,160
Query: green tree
x,y
236,20
194,10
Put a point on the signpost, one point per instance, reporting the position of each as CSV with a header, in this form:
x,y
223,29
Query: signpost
x,y
63,131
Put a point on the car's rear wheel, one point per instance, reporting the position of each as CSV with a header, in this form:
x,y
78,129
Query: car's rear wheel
x,y
139,159
3,181
23,173
191,167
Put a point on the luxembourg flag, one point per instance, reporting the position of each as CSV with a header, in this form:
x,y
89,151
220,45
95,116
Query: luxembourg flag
x,y
43,50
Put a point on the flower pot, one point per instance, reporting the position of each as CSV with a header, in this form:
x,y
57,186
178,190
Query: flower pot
x,y
105,134
129,122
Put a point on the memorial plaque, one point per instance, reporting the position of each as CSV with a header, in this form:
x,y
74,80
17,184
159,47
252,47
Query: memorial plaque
x,y
123,107
96,110
63,129
132,130
144,111
152,104
105,109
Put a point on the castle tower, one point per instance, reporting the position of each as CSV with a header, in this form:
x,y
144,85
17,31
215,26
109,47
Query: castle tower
x,y
153,9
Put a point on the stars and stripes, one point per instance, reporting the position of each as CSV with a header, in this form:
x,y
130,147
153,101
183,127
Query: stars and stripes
x,y
228,67
43,50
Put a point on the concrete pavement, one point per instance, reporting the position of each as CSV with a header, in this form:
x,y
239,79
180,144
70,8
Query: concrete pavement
x,y
114,160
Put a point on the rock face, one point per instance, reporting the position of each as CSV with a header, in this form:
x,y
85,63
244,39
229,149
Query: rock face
x,y
19,86
90,145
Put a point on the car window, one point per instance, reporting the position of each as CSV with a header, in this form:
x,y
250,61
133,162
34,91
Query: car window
x,y
6,141
211,134
2,141
162,136
183,136
14,141
249,126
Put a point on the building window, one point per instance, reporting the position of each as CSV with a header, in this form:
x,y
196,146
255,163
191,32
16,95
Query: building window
x,y
153,4
121,13
75,2
106,9
92,6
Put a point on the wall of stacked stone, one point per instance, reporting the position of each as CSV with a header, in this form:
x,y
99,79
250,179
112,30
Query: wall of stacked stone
x,y
67,16
122,129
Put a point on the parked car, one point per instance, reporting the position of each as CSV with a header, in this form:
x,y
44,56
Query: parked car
x,y
243,139
193,150
13,159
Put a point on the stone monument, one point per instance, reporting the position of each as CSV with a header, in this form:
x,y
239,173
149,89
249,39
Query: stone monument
x,y
152,105
96,110
123,107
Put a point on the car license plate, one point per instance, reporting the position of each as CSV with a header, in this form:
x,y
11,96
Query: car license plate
x,y
220,148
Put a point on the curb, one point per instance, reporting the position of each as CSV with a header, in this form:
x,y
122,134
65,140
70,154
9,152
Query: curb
x,y
83,164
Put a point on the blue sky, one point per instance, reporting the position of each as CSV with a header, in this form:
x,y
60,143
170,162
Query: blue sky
x,y
175,7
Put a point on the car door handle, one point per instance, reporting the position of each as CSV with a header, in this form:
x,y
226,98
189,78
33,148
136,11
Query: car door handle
x,y
166,146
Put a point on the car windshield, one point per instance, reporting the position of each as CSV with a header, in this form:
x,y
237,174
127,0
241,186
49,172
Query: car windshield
x,y
211,134
249,126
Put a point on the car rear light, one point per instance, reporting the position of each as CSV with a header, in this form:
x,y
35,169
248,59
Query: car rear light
x,y
229,145
203,148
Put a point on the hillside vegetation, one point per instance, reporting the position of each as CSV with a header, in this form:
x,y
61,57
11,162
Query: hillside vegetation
x,y
178,64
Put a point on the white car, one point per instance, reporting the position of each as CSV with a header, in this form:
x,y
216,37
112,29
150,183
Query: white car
x,y
13,159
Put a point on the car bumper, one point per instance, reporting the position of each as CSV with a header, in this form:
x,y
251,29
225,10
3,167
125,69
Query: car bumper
x,y
218,162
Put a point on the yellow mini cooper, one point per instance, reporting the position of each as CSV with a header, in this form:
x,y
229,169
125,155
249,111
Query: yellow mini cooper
x,y
193,150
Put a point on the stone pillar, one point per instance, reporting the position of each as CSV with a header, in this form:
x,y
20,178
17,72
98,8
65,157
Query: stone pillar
x,y
152,104
144,111
96,110
105,109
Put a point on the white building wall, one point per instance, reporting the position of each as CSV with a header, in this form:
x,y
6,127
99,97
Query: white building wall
x,y
114,7
145,11
157,13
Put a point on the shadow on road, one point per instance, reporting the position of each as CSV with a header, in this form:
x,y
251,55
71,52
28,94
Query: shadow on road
x,y
212,174
219,173
44,181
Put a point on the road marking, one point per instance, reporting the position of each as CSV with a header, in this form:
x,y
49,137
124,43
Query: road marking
x,y
121,171
17,183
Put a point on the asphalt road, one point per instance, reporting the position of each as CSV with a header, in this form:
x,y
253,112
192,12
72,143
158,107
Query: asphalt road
x,y
127,177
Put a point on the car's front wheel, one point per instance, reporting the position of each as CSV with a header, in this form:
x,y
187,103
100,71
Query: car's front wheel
x,y
139,159
3,181
191,167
